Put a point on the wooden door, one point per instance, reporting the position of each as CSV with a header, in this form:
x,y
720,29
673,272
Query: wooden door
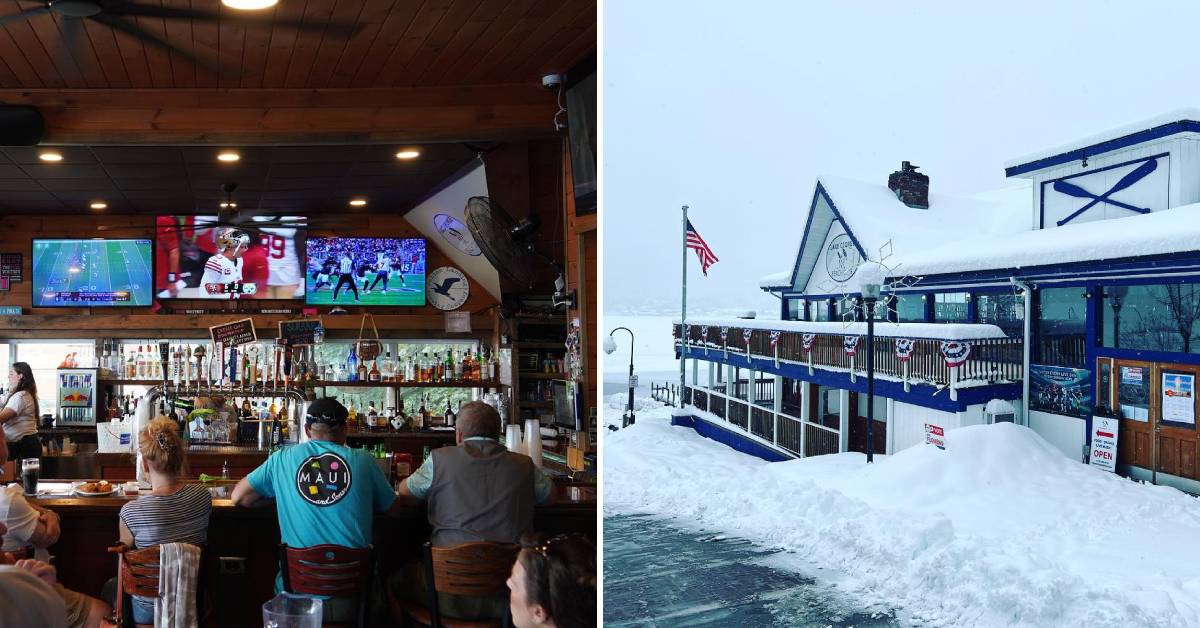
x,y
858,424
1175,409
1133,394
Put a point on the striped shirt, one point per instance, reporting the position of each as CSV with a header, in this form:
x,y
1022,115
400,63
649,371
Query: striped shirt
x,y
181,517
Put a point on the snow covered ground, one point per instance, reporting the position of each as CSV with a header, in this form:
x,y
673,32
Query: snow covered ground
x,y
999,529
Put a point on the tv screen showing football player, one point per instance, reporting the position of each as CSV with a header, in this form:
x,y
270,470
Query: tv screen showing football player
x,y
198,257
365,271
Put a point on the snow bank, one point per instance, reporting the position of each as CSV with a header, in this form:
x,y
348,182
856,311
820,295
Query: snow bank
x,y
1174,230
935,331
999,529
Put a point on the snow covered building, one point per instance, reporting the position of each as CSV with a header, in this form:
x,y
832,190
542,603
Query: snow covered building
x,y
1075,289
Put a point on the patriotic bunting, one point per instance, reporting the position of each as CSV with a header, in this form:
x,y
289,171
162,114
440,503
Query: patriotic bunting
x,y
955,352
807,341
904,348
774,339
850,345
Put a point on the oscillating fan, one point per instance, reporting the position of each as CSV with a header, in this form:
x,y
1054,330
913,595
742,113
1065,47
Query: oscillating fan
x,y
507,243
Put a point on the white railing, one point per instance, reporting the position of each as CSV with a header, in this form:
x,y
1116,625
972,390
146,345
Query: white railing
x,y
801,438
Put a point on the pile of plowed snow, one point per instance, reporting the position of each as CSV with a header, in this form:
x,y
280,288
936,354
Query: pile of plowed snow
x,y
998,529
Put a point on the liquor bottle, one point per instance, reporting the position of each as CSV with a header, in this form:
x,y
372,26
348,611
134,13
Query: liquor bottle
x,y
388,373
311,374
373,417
448,368
273,409
247,410
352,418
456,364
351,366
401,415
449,416
141,364
362,375
131,365
423,415
374,375
410,369
494,368
426,367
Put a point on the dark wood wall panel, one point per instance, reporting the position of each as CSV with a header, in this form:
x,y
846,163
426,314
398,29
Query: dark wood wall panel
x,y
398,43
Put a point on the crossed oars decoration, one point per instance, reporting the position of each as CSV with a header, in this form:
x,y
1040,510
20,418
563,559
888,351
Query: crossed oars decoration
x,y
1135,175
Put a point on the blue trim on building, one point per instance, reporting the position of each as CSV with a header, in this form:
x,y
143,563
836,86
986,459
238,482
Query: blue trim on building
x,y
819,193
924,395
1079,154
1151,263
732,438
1042,196
812,211
837,214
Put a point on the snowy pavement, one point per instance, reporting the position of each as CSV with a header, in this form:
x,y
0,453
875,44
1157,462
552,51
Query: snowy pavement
x,y
999,529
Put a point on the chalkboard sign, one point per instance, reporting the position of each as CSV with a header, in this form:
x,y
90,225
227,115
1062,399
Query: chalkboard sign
x,y
298,333
234,333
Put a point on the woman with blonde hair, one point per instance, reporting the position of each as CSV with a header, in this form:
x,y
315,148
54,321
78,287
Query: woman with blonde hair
x,y
173,512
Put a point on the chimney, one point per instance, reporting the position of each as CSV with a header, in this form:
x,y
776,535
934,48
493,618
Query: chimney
x,y
910,186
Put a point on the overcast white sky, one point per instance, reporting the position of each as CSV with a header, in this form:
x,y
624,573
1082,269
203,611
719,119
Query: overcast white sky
x,y
735,110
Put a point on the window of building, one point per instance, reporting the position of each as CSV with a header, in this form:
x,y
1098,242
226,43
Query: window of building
x,y
1062,322
881,308
951,307
795,310
910,308
846,309
880,407
1152,317
1006,311
820,309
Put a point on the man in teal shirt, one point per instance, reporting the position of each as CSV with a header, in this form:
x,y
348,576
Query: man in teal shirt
x,y
324,491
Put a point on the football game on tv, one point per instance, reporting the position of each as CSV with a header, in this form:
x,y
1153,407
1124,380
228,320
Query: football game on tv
x,y
196,257
91,273
365,271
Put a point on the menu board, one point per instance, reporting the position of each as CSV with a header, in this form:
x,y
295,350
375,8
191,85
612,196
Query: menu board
x,y
298,333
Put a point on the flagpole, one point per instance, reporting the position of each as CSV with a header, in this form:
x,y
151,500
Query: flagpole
x,y
683,315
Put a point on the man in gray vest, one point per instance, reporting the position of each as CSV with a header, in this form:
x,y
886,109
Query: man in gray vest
x,y
476,491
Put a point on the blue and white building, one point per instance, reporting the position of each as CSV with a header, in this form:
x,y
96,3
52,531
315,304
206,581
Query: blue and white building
x,y
1073,293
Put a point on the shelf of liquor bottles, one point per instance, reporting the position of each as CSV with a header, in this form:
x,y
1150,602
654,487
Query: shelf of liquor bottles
x,y
405,384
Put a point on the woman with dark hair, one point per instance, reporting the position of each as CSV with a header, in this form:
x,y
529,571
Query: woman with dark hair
x,y
20,414
553,582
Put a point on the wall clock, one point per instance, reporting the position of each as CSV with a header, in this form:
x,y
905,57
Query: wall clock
x,y
456,233
447,288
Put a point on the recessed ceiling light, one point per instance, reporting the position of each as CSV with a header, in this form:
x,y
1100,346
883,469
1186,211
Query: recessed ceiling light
x,y
99,205
408,153
249,5
358,202
50,156
228,156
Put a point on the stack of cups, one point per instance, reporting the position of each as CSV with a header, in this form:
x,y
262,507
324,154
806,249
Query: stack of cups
x,y
533,440
512,439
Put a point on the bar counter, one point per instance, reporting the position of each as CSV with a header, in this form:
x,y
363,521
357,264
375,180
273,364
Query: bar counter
x,y
241,556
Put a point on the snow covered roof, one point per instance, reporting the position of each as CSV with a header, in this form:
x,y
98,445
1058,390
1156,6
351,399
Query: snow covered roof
x,y
776,280
935,331
1175,230
875,216
1027,163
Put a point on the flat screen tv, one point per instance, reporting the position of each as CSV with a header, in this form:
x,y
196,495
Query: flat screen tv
x,y
581,129
92,273
196,258
568,404
365,271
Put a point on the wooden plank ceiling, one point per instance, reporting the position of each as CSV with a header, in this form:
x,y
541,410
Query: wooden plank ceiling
x,y
302,180
395,43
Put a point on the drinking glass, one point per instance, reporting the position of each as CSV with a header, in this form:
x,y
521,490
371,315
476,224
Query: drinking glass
x,y
292,611
31,468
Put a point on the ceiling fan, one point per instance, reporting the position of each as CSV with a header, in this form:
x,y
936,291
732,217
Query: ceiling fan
x,y
120,15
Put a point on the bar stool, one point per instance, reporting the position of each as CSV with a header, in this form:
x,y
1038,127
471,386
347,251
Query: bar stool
x,y
331,570
137,574
478,569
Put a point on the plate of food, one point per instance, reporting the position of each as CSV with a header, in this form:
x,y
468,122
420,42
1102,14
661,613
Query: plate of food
x,y
103,488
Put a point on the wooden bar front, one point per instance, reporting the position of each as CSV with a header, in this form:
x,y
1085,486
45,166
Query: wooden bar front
x,y
241,556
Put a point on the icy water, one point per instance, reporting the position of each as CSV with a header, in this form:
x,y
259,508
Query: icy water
x,y
658,576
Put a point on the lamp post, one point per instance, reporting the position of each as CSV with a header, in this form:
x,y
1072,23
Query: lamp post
x,y
870,285
610,345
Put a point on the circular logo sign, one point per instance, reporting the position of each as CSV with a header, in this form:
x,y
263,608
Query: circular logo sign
x,y
456,234
323,480
447,288
842,258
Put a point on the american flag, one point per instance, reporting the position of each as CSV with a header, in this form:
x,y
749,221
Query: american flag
x,y
694,241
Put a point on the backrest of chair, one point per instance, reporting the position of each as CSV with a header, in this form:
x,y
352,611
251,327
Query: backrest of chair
x,y
478,569
326,570
25,552
139,571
